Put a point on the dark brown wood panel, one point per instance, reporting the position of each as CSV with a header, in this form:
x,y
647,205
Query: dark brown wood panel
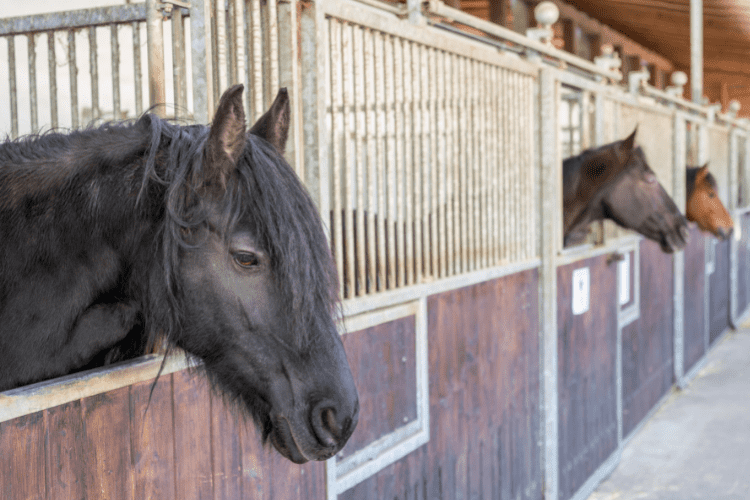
x,y
106,446
587,424
192,436
66,473
484,400
22,458
153,439
718,289
383,363
648,343
694,325
226,447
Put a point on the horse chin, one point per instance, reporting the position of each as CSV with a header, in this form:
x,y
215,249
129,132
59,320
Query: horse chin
x,y
292,445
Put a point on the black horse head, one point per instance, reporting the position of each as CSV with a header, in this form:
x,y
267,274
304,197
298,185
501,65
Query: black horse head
x,y
115,236
615,182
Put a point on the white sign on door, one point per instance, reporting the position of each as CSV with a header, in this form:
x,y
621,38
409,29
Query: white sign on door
x,y
624,270
580,290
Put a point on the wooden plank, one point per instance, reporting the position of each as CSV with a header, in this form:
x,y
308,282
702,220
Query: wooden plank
x,y
153,439
192,435
695,288
66,474
226,449
587,345
22,459
106,445
718,311
648,343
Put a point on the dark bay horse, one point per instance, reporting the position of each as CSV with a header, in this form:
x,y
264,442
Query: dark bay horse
x,y
703,204
114,236
615,182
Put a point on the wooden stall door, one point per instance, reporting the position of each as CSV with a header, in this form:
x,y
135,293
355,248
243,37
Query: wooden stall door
x,y
587,425
718,290
694,324
648,342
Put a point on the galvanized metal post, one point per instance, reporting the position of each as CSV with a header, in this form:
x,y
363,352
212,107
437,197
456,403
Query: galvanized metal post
x,y
414,7
155,42
678,194
289,78
548,204
200,37
733,243
696,50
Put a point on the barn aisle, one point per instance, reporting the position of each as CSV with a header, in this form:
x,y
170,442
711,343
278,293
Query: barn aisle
x,y
696,445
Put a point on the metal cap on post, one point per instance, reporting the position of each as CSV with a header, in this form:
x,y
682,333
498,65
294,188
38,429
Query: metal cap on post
x,y
155,36
637,79
546,14
609,59
679,79
734,108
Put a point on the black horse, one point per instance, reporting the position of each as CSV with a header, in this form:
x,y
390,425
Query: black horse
x,y
615,182
113,238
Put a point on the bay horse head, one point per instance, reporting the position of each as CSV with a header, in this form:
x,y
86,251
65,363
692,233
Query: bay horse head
x,y
615,182
114,237
703,204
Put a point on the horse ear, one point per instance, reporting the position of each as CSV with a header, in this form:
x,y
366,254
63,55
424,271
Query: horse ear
x,y
624,149
226,139
273,126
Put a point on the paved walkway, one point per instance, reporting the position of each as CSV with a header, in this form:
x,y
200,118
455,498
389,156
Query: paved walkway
x,y
697,445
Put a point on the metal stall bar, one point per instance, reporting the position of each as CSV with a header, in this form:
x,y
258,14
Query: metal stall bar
x,y
32,83
115,43
155,39
360,163
178,64
256,55
349,164
73,71
94,73
13,87
52,68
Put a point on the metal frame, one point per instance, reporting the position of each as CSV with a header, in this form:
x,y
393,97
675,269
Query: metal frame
x,y
352,470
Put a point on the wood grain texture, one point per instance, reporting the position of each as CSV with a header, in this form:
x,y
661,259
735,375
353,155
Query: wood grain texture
x,y
107,446
718,289
648,343
192,436
695,288
383,363
484,400
66,472
22,458
587,420
153,439
226,451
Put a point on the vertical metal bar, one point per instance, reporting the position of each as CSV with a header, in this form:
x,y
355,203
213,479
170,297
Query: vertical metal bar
x,y
256,35
440,151
138,76
155,42
231,37
548,205
696,50
380,159
418,161
115,43
400,134
52,67
202,61
473,164
409,146
32,83
336,139
504,164
289,77
531,181
73,69
349,165
94,73
239,42
13,86
272,49
678,194
515,165
465,165
222,69
178,63
390,170
450,163
434,182
372,162
360,163
484,150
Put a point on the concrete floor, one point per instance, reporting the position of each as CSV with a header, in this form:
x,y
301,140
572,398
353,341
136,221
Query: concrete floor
x,y
697,445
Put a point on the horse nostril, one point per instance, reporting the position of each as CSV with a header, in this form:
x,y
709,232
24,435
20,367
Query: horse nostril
x,y
331,427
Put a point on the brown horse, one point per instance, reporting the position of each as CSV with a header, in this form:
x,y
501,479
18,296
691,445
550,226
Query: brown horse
x,y
615,182
703,204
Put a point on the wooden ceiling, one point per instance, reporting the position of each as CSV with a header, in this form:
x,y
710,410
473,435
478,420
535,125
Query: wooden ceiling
x,y
664,26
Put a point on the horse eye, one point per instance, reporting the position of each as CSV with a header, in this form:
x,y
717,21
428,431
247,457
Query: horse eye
x,y
247,259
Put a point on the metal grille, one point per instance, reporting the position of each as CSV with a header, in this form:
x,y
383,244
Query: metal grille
x,y
67,69
718,159
432,161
